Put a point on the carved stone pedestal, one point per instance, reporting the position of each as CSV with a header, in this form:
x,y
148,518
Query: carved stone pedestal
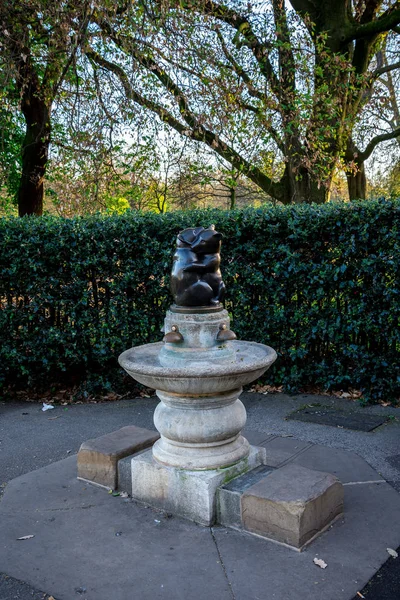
x,y
200,432
185,493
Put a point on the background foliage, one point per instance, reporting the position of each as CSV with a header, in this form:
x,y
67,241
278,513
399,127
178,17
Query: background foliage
x,y
318,283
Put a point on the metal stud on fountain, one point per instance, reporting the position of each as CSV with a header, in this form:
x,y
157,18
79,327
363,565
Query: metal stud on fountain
x,y
198,371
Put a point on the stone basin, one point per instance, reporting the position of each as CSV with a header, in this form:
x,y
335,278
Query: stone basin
x,y
251,361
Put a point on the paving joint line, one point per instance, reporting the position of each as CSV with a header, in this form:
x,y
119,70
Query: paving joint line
x,y
272,436
222,563
285,462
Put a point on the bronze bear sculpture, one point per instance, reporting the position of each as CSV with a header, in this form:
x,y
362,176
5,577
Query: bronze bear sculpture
x,y
196,278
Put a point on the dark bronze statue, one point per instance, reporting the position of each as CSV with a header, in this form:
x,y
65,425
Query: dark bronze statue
x,y
195,277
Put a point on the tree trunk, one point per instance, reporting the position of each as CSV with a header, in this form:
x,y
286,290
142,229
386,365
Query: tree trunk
x,y
232,198
35,150
301,187
357,183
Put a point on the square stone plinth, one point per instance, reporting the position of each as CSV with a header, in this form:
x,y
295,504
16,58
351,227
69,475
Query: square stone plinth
x,y
98,458
292,504
185,493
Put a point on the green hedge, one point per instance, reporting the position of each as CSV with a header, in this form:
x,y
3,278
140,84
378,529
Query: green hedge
x,y
318,283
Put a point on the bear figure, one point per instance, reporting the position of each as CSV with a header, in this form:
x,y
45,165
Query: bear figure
x,y
196,277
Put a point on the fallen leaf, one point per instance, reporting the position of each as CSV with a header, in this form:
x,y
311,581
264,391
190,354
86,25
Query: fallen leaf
x,y
320,563
392,552
355,393
26,537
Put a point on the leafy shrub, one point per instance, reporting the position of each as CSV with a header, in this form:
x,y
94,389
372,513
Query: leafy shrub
x,y
320,284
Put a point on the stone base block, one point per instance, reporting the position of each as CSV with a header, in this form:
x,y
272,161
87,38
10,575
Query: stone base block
x,y
98,458
229,496
185,493
292,504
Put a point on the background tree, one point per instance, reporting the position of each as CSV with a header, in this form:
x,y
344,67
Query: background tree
x,y
38,46
11,138
292,79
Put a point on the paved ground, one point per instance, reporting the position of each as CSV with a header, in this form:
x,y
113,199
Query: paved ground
x,y
221,557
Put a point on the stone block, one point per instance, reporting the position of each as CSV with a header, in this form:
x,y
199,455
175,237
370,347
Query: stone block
x,y
185,493
292,504
124,468
229,508
229,496
98,458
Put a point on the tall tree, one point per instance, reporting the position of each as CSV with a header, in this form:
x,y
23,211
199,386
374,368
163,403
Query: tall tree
x,y
38,43
244,80
380,121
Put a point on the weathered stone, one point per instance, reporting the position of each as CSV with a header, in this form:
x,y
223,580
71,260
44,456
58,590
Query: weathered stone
x,y
124,476
98,458
198,347
185,493
292,504
229,512
143,364
229,496
198,372
205,437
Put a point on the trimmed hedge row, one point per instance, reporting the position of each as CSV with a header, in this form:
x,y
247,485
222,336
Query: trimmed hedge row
x,y
318,283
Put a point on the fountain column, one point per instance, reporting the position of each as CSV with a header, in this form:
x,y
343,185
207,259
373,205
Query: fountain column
x,y
198,372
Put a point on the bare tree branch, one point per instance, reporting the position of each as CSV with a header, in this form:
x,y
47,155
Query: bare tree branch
x,y
238,68
377,140
243,29
387,20
384,69
197,131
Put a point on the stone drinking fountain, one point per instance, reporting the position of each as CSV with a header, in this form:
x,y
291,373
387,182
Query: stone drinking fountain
x,y
198,371
200,466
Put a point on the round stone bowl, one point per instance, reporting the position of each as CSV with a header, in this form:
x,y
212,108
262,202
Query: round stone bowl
x,y
251,361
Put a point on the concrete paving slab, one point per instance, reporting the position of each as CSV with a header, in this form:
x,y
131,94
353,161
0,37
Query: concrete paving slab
x,y
347,466
33,440
101,547
86,539
269,414
280,450
256,438
354,548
